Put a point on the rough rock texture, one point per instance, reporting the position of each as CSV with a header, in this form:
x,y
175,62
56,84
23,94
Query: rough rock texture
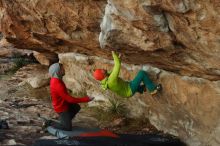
x,y
8,50
177,35
188,107
53,25
34,74
180,37
19,107
8,54
45,59
5,66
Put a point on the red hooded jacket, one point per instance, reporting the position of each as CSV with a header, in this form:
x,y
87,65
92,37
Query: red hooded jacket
x,y
60,97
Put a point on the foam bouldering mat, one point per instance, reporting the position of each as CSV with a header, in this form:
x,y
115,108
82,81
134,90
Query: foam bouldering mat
x,y
80,132
120,140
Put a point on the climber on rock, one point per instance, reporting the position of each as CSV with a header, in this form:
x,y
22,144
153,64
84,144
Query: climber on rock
x,y
123,88
64,104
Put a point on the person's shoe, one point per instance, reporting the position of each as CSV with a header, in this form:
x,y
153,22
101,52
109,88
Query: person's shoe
x,y
157,89
46,123
3,124
144,87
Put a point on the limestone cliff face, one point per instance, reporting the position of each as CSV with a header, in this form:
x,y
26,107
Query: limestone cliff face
x,y
52,26
188,107
176,35
180,38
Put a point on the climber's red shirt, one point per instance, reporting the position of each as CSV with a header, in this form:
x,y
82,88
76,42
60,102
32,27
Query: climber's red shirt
x,y
60,97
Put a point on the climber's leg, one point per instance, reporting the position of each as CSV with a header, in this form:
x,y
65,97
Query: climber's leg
x,y
142,76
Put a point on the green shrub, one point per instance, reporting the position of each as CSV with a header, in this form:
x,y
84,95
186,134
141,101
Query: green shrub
x,y
116,107
18,63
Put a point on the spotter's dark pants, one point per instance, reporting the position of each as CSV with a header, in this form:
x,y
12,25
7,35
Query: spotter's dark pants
x,y
66,117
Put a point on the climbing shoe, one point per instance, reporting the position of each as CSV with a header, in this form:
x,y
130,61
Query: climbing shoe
x,y
3,124
46,123
144,88
157,89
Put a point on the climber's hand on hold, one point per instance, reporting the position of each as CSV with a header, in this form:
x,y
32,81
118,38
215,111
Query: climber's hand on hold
x,y
117,54
91,98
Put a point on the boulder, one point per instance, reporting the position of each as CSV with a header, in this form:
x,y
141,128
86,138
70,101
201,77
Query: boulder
x,y
187,107
40,79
